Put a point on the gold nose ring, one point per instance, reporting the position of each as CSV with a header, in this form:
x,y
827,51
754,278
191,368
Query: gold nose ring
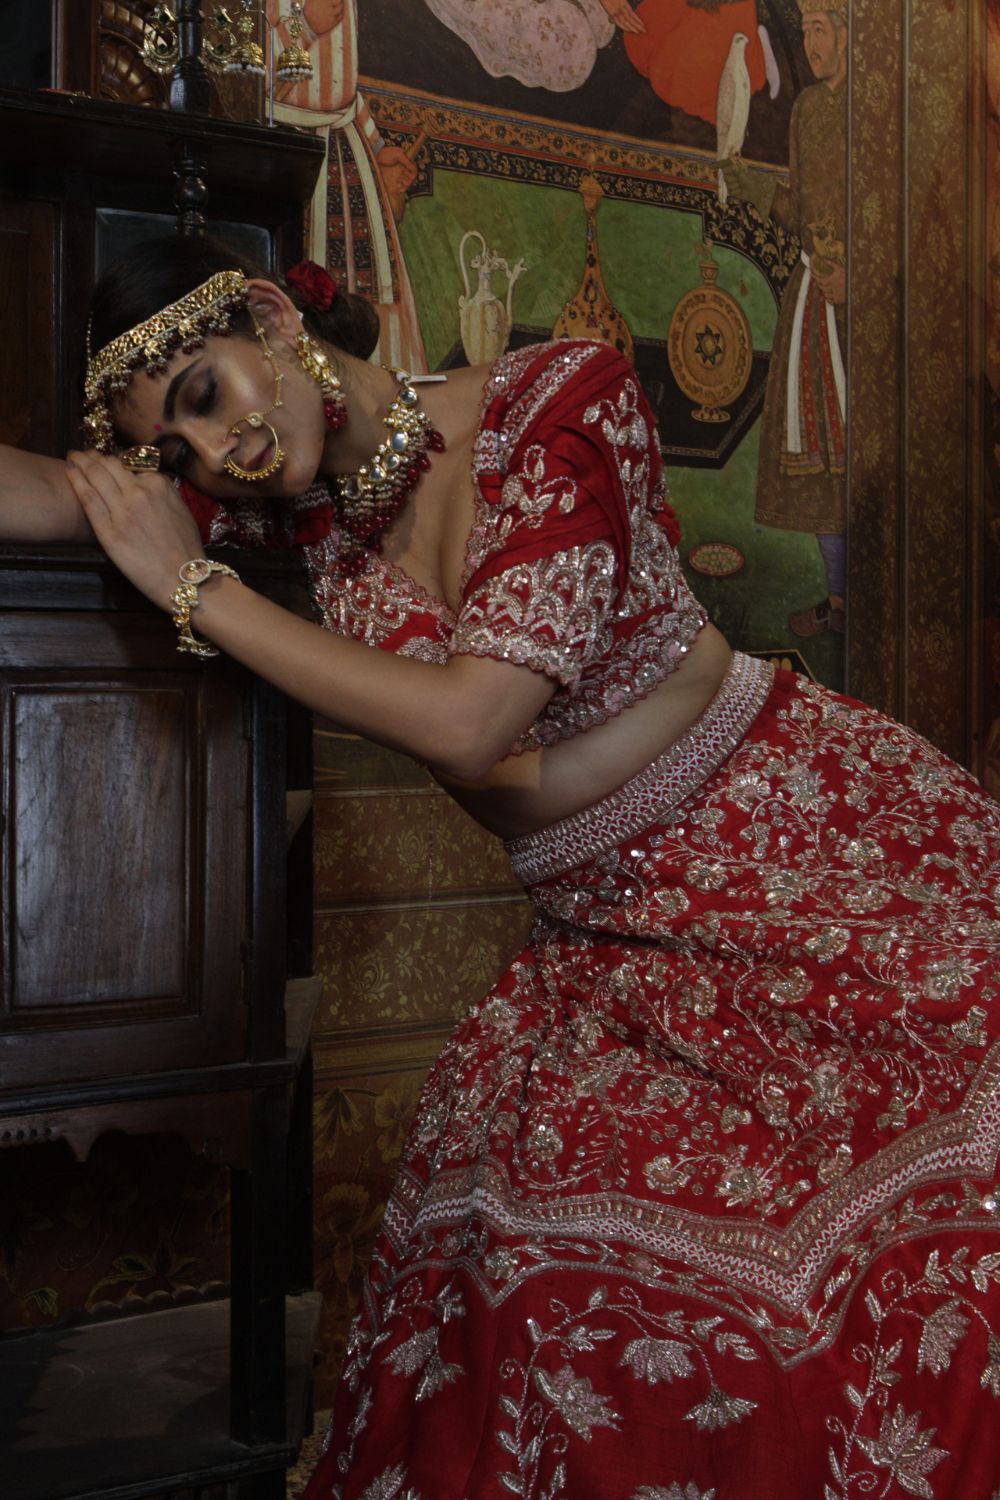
x,y
256,419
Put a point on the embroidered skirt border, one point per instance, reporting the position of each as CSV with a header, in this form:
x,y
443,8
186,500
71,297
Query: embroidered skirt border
x,y
663,784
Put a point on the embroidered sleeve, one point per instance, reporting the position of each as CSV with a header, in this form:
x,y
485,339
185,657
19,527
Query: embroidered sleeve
x,y
548,615
551,548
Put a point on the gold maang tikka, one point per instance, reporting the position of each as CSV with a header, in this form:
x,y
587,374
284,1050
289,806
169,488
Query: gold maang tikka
x,y
258,419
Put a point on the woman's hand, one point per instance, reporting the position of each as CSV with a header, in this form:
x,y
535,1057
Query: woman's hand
x,y
139,519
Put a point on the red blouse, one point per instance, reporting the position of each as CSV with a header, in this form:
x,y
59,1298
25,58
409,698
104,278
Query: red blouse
x,y
570,565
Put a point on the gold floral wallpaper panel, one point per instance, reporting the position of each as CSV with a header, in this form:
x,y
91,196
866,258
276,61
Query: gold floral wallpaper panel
x,y
416,914
923,586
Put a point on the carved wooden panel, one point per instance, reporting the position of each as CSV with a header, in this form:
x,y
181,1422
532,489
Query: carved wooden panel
x,y
91,829
27,317
117,69
122,73
123,894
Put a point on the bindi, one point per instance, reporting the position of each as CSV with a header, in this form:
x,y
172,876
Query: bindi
x,y
157,427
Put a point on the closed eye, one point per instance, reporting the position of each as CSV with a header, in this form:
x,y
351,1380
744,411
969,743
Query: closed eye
x,y
207,399
177,455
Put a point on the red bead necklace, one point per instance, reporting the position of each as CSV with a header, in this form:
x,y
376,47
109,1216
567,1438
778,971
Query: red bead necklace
x,y
370,500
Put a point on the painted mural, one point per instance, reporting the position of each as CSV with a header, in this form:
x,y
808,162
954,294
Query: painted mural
x,y
670,177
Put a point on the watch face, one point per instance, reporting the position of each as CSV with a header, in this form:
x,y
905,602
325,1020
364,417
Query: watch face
x,y
195,571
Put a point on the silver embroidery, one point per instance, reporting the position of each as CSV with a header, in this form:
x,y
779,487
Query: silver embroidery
x,y
549,614
374,604
663,784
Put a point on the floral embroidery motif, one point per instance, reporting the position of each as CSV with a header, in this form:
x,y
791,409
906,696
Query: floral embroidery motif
x,y
378,604
904,1443
563,611
549,615
672,1492
389,1486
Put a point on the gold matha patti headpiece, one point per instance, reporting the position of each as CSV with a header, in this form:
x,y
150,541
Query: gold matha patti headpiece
x,y
184,326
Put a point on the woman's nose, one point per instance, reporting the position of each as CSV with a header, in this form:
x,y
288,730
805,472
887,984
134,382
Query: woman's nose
x,y
213,445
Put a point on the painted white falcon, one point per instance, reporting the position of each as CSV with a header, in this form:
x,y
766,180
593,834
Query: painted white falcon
x,y
732,106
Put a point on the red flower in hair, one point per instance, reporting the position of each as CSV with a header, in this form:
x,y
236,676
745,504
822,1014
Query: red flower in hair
x,y
313,283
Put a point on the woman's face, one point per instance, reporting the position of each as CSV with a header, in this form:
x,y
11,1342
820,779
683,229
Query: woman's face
x,y
190,412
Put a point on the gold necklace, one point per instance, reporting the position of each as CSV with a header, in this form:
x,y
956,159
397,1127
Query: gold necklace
x,y
368,501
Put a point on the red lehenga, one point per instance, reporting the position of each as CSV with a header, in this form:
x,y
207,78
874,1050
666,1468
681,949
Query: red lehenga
x,y
700,1202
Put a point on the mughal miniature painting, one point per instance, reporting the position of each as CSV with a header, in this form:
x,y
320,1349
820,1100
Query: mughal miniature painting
x,y
670,177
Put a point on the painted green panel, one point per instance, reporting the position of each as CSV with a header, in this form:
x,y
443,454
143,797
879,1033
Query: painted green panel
x,y
783,572
648,255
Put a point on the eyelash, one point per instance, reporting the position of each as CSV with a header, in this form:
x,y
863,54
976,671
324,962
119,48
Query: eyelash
x,y
182,460
206,400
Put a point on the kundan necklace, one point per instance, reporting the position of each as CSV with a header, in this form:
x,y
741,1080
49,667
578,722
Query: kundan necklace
x,y
370,500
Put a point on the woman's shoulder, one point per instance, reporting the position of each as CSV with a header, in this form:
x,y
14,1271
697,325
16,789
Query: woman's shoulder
x,y
554,362
550,380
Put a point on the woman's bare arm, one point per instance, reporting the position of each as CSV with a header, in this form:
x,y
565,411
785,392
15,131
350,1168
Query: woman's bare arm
x,y
461,718
37,503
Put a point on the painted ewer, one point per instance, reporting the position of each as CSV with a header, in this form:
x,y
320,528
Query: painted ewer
x,y
484,320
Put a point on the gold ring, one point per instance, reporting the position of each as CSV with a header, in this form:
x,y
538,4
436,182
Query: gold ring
x,y
142,459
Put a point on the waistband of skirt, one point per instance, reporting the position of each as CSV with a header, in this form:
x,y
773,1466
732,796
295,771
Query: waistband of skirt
x,y
663,784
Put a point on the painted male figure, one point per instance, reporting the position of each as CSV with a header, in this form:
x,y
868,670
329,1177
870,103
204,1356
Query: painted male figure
x,y
801,481
351,224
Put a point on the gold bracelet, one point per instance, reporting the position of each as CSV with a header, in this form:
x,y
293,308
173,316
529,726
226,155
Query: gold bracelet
x,y
185,599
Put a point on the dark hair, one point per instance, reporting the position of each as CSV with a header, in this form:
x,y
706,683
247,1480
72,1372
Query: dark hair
x,y
162,270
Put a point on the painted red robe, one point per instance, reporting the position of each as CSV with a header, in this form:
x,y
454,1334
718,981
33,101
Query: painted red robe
x,y
684,49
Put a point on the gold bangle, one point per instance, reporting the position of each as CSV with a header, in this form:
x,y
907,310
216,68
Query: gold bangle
x,y
185,599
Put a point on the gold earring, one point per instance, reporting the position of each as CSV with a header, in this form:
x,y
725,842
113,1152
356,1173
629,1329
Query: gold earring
x,y
316,363
293,64
161,47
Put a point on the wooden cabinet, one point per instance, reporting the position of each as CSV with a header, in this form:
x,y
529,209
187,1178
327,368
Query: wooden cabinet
x,y
152,980
81,182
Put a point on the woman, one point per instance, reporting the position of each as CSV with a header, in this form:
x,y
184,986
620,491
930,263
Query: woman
x,y
700,1201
